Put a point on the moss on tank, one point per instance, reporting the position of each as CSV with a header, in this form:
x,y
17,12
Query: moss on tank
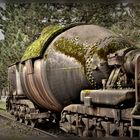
x,y
71,48
110,47
34,49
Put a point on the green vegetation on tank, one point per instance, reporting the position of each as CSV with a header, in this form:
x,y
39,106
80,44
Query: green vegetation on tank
x,y
112,46
34,49
71,48
86,92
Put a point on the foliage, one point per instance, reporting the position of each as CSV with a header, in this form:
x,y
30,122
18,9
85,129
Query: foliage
x,y
129,27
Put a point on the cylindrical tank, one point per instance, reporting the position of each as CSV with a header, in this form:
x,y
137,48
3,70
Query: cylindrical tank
x,y
66,61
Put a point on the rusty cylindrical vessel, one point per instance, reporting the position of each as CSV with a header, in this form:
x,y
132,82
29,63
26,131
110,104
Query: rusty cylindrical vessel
x,y
65,60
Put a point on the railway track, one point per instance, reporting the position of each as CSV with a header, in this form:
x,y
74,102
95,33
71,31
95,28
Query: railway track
x,y
45,131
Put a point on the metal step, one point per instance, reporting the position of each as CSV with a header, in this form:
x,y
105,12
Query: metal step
x,y
135,127
136,116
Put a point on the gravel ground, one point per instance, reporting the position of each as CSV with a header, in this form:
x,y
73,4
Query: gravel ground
x,y
12,129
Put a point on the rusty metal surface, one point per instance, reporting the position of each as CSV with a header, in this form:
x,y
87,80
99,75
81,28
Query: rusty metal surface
x,y
130,61
137,78
12,79
25,87
98,111
109,97
29,84
43,88
98,122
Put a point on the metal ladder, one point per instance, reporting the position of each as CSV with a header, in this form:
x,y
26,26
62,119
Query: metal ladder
x,y
135,120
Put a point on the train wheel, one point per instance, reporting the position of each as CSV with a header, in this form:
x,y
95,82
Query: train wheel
x,y
8,104
26,121
17,118
33,123
21,120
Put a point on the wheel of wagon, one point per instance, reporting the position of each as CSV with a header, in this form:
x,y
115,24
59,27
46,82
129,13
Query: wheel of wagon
x,y
8,104
17,118
21,120
26,121
33,123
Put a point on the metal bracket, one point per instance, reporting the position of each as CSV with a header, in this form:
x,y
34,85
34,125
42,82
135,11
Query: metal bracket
x,y
137,78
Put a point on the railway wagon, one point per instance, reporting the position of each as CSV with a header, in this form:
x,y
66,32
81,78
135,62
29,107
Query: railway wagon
x,y
83,76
